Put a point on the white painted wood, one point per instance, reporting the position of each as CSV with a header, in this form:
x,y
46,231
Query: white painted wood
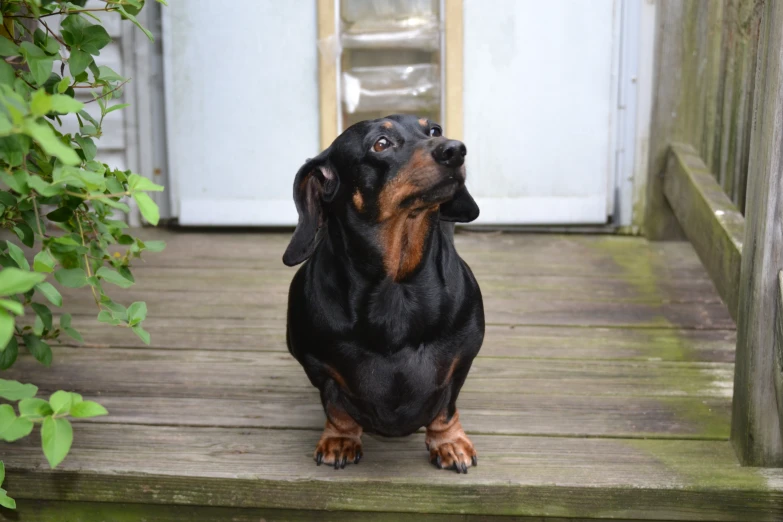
x,y
239,128
538,105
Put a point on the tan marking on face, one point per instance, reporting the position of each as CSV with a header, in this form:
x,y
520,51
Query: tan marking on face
x,y
358,201
387,125
404,231
423,122
447,441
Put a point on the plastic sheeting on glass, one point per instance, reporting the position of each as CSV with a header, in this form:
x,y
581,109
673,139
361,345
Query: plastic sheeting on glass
x,y
391,88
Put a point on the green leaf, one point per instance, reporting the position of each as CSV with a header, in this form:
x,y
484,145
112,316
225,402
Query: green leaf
x,y
15,390
42,311
142,333
44,135
64,104
113,277
18,256
15,281
39,62
116,204
63,84
40,103
39,349
136,182
60,214
108,74
128,16
70,277
94,38
65,320
5,500
73,334
25,234
50,293
35,408
137,312
7,323
11,306
105,316
7,74
42,187
75,399
87,409
147,207
56,439
43,262
60,401
9,354
12,427
79,61
117,107
8,48
88,147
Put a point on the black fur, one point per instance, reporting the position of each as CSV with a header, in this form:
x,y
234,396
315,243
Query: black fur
x,y
391,353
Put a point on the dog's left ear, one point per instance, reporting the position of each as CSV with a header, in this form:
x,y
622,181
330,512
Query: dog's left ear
x,y
316,183
461,209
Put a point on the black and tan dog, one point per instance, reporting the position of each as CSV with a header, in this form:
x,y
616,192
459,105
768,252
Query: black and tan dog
x,y
385,317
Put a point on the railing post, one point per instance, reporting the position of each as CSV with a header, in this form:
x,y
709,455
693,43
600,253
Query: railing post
x,y
755,429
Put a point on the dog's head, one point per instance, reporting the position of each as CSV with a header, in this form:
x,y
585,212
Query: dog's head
x,y
391,178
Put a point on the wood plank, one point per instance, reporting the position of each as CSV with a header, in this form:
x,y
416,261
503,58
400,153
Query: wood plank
x,y
480,412
710,220
534,252
54,511
270,311
498,282
660,222
248,374
778,343
566,477
454,48
327,71
756,427
664,344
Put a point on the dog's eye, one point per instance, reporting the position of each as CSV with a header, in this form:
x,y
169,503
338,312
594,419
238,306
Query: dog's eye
x,y
436,132
381,145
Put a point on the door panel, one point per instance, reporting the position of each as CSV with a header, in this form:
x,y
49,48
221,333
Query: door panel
x,y
242,108
538,94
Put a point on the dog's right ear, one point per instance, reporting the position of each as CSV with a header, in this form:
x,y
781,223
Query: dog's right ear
x,y
316,183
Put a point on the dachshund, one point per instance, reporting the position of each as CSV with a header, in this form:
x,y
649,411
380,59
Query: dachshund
x,y
384,316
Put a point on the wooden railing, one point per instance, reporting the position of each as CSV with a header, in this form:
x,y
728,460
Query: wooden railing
x,y
716,154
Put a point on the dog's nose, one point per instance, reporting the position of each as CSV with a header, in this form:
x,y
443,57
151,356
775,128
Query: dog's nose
x,y
450,153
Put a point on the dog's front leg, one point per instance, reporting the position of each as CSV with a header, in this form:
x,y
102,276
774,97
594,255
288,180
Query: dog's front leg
x,y
449,447
341,441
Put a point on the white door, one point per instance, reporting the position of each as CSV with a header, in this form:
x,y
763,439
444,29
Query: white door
x,y
241,107
539,98
539,88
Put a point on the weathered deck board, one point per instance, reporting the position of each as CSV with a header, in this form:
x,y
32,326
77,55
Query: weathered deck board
x,y
550,342
485,413
200,373
602,391
516,475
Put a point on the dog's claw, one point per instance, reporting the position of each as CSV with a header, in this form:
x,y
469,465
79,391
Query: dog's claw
x,y
464,468
319,459
357,458
474,460
343,462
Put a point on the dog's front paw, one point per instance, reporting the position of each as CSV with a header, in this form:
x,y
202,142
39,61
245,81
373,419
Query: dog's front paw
x,y
457,455
449,447
338,451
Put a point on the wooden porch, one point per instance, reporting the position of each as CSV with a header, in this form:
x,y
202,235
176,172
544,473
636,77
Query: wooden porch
x,y
603,390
